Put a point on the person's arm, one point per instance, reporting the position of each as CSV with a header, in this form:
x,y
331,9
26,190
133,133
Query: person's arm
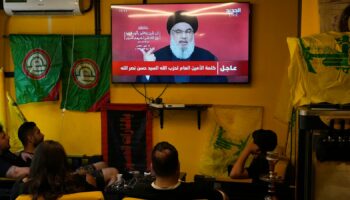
x,y
238,170
148,55
100,165
110,175
16,172
105,176
90,179
26,156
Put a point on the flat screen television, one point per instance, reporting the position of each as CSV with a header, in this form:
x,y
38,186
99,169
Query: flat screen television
x,y
181,43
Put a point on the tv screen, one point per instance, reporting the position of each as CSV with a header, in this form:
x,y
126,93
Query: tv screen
x,y
180,43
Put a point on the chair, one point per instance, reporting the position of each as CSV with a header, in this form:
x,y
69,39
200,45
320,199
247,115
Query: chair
x,y
95,195
6,185
222,193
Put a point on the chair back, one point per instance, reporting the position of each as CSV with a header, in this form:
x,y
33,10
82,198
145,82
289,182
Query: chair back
x,y
95,195
6,185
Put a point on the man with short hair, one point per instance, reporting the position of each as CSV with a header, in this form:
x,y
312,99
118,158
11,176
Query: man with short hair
x,y
30,136
166,169
11,166
181,27
263,141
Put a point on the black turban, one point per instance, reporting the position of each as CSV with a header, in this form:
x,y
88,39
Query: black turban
x,y
265,139
179,17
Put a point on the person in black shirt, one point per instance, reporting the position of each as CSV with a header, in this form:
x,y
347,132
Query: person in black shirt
x,y
11,166
263,141
166,169
30,136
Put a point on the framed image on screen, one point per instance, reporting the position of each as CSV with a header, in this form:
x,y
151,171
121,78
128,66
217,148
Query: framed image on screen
x,y
181,43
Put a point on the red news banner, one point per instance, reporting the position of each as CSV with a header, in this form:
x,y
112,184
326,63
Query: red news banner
x,y
195,68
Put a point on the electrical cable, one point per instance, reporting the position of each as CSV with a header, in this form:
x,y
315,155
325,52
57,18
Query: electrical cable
x,y
293,153
166,87
145,89
69,79
289,139
149,99
69,75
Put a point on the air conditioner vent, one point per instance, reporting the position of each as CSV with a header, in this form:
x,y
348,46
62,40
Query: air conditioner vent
x,y
42,12
42,7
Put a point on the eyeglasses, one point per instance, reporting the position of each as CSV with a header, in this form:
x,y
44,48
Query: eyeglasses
x,y
180,32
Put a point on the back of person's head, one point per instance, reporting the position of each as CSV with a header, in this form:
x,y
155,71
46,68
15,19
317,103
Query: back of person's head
x,y
265,139
48,171
24,130
181,16
50,157
165,160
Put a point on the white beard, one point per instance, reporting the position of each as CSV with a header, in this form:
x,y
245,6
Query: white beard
x,y
179,52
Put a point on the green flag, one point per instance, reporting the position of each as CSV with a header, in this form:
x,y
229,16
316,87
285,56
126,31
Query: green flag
x,y
38,63
86,72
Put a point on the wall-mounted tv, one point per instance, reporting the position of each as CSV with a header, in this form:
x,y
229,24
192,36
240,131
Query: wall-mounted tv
x,y
181,43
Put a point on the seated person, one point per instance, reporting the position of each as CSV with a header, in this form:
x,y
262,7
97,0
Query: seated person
x,y
11,166
263,141
166,169
50,176
31,136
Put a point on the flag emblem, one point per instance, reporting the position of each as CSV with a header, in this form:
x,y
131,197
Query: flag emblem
x,y
36,64
85,73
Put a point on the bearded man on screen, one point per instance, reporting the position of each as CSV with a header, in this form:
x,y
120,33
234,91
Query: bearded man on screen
x,y
181,28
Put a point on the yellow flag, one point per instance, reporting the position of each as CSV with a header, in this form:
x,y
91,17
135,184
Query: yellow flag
x,y
16,118
319,68
232,126
2,99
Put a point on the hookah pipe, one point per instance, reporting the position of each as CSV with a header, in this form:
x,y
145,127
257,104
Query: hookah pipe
x,y
272,178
